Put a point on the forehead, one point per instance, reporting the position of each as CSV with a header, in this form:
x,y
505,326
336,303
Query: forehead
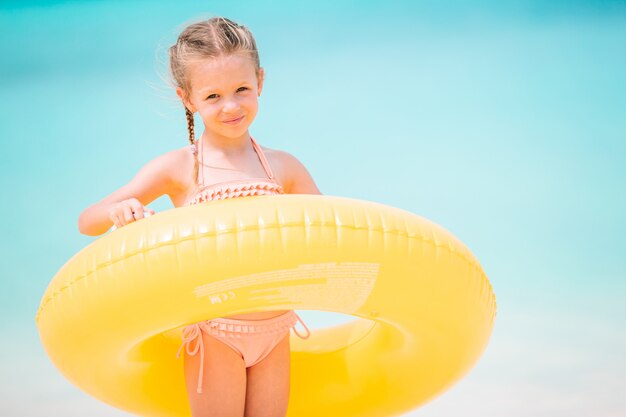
x,y
221,72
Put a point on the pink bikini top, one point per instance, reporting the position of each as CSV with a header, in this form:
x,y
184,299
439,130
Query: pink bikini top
x,y
242,187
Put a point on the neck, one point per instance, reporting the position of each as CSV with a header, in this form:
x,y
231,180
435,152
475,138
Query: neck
x,y
225,146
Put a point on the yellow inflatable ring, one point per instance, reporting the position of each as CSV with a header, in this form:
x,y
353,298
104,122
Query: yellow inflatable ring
x,y
111,319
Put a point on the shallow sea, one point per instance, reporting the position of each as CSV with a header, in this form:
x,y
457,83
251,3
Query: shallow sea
x,y
501,121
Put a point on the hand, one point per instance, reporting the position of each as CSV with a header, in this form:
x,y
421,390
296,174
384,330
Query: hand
x,y
128,211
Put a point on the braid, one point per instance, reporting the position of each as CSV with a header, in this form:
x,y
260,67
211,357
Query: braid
x,y
192,140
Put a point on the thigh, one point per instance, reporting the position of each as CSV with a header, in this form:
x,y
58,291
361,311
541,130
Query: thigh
x,y
224,381
267,393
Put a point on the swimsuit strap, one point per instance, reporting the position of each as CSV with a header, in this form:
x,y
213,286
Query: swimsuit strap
x,y
264,162
304,325
191,334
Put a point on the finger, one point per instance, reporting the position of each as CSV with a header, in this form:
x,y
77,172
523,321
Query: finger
x,y
113,218
137,209
127,215
116,221
139,213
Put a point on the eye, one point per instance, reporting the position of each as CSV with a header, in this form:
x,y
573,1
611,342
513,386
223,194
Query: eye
x,y
211,96
242,89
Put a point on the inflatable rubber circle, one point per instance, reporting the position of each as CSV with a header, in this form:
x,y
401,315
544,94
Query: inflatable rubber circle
x,y
112,317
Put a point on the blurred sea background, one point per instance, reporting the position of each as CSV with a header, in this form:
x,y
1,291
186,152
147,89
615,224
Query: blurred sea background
x,y
502,121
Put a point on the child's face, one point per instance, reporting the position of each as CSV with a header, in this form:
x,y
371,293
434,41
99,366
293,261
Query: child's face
x,y
224,91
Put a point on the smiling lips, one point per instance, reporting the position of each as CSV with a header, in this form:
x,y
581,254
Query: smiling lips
x,y
233,121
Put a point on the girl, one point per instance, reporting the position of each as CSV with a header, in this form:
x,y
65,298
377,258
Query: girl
x,y
215,67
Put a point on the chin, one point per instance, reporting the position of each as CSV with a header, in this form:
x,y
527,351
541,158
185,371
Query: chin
x,y
234,134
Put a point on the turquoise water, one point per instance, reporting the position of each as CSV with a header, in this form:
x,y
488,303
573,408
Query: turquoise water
x,y
501,121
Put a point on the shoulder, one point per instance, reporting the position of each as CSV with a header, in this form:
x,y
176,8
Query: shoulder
x,y
174,167
181,163
167,159
294,176
179,156
279,157
157,177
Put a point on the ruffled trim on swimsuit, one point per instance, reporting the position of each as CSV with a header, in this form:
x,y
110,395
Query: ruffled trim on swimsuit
x,y
237,330
233,190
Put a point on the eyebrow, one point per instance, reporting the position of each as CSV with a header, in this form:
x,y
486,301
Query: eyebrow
x,y
210,89
206,90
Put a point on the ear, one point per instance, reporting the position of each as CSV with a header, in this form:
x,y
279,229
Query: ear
x,y
186,102
260,79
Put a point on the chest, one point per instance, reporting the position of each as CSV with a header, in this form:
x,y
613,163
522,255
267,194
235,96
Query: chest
x,y
228,177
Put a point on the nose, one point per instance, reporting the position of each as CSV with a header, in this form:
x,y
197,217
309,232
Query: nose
x,y
230,106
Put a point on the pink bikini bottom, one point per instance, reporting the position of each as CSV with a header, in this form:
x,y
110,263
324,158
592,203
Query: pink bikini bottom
x,y
252,339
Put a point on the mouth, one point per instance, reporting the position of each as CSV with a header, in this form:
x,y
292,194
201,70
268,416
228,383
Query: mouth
x,y
234,121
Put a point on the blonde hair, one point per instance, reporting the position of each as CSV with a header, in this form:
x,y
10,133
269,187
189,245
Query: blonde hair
x,y
212,38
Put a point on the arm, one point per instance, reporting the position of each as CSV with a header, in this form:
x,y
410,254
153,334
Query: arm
x,y
299,181
127,203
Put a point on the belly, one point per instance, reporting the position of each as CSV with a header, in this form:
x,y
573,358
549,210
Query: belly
x,y
262,315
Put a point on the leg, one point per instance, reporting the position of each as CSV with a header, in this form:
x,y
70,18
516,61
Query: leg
x,y
224,386
267,393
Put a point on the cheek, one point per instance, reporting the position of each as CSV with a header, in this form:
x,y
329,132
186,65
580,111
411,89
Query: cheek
x,y
206,112
252,103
